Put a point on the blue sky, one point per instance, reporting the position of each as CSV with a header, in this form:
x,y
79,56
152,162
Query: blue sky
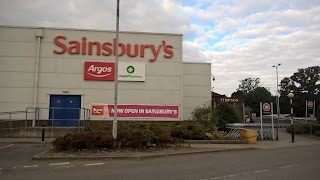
x,y
241,38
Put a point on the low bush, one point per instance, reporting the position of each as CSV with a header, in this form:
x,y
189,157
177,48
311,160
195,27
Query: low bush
x,y
134,136
304,128
180,132
78,141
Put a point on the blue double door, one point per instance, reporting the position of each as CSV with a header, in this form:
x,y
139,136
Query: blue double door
x,y
64,110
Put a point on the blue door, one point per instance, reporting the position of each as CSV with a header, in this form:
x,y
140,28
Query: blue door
x,y
64,110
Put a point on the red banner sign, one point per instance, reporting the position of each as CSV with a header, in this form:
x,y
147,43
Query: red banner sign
x,y
101,71
137,111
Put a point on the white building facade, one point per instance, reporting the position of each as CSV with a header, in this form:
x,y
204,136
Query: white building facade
x,y
74,68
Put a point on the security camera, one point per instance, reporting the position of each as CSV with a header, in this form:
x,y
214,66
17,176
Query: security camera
x,y
213,78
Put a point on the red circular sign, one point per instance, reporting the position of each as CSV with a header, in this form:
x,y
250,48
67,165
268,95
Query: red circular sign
x,y
310,104
266,107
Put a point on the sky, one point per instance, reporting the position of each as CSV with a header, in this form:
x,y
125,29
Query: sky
x,y
240,38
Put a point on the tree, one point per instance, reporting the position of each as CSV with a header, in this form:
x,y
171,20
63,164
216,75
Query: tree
x,y
306,80
305,84
318,114
238,94
250,91
225,114
248,84
253,98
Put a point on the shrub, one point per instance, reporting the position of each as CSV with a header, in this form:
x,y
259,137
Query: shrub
x,y
203,116
304,128
196,132
76,142
221,135
105,140
101,127
61,144
180,132
134,135
124,138
164,139
225,114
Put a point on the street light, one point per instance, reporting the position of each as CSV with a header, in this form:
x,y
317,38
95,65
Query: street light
x,y
277,99
290,96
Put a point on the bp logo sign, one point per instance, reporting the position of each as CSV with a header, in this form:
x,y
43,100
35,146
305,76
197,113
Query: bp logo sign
x,y
130,69
266,108
310,104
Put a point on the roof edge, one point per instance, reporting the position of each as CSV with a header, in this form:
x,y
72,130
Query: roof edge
x,y
93,30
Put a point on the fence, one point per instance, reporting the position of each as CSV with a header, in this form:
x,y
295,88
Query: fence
x,y
234,129
13,119
37,117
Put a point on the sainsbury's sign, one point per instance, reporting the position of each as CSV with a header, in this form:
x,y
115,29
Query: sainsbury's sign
x,y
108,48
103,71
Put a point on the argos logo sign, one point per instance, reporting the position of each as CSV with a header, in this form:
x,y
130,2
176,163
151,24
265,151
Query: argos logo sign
x,y
100,71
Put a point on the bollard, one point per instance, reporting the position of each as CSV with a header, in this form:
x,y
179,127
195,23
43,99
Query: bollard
x,y
43,133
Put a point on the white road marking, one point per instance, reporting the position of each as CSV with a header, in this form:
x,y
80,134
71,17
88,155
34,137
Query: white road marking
x,y
234,175
65,166
58,164
286,166
30,166
94,164
6,146
260,171
215,178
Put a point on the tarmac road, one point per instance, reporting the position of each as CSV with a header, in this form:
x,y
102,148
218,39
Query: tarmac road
x,y
294,163
269,160
16,155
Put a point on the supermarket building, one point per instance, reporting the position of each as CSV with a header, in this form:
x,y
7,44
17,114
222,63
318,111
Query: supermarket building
x,y
63,68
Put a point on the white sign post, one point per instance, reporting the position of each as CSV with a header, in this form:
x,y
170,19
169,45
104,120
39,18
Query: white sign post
x,y
261,129
272,127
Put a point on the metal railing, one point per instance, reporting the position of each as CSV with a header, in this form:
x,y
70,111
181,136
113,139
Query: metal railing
x,y
8,119
37,117
267,132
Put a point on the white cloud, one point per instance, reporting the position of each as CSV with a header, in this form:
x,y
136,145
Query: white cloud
x,y
241,38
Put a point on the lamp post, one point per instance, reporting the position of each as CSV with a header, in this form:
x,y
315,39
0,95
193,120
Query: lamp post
x,y
290,96
277,99
115,116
